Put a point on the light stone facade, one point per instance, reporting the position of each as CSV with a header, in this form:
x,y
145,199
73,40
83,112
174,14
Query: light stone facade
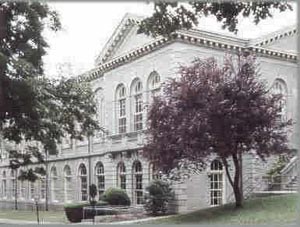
x,y
126,59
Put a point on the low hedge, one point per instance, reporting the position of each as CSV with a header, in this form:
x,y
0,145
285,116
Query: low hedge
x,y
74,211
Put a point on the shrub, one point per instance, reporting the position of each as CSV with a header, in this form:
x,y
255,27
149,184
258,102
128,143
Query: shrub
x,y
74,211
93,193
115,196
159,194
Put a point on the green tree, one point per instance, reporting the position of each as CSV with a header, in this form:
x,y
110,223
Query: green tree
x,y
33,108
170,16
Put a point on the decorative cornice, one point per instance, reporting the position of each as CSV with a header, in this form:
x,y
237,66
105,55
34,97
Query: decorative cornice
x,y
186,38
275,36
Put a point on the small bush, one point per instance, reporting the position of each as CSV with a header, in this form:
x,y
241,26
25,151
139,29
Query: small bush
x,y
74,211
159,194
115,196
93,194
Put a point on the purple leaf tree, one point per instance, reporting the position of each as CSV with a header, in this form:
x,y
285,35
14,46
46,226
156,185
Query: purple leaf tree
x,y
211,109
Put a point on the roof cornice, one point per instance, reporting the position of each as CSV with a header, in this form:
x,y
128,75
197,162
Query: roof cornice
x,y
182,36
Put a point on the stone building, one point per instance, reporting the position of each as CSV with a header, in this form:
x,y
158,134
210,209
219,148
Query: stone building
x,y
128,72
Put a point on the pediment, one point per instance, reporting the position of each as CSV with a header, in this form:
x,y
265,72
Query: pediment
x,y
124,39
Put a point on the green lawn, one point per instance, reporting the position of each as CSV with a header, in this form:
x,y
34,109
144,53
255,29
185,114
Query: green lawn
x,y
26,215
274,209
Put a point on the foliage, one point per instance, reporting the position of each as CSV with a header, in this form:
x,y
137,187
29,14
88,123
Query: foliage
x,y
116,196
171,16
35,110
224,111
83,204
159,194
93,193
278,166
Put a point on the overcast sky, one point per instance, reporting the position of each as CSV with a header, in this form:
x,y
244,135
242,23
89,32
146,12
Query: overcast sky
x,y
88,26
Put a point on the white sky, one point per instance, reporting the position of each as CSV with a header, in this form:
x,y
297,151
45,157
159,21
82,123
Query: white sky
x,y
88,26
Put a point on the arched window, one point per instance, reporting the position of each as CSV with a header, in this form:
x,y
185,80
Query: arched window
x,y
4,185
121,108
121,176
280,88
153,172
32,190
67,183
100,177
137,177
136,90
216,183
43,188
13,183
22,189
54,183
100,111
153,85
83,182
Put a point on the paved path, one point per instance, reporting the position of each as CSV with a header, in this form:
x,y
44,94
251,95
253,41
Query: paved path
x,y
22,222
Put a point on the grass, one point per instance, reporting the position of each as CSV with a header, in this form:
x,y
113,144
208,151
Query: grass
x,y
273,209
29,215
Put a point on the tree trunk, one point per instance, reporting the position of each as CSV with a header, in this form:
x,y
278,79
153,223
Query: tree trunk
x,y
238,196
237,184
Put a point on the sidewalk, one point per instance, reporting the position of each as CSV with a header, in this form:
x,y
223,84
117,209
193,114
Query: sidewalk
x,y
22,222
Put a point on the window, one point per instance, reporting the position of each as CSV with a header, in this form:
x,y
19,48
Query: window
x,y
54,181
216,183
31,190
137,182
4,185
100,112
121,176
100,178
137,106
43,188
22,189
13,184
83,182
279,88
153,85
121,108
153,172
67,183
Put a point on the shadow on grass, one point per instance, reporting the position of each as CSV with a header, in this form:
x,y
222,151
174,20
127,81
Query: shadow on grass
x,y
273,209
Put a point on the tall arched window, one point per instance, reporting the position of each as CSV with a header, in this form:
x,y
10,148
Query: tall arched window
x,y
83,184
280,88
137,176
153,85
99,170
4,185
121,108
100,111
121,175
67,183
43,188
216,183
13,183
153,172
54,183
136,91
32,190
